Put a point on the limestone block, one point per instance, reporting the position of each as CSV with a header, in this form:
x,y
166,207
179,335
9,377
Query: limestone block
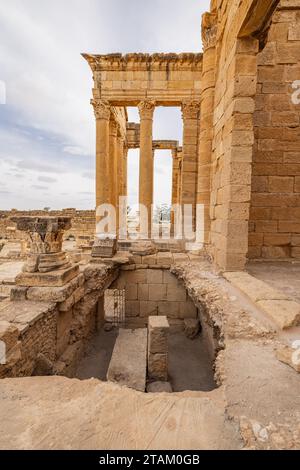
x,y
192,328
8,334
131,291
165,259
54,278
176,293
158,367
158,329
285,313
289,356
157,292
170,309
129,359
148,308
18,293
187,309
254,288
132,308
154,276
143,292
169,278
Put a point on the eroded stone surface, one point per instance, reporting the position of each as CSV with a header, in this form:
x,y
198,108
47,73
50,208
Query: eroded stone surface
x,y
129,360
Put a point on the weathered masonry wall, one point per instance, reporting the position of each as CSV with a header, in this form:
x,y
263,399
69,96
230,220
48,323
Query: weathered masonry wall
x,y
45,329
151,292
274,230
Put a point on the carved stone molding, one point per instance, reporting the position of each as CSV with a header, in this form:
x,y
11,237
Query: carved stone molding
x,y
209,30
102,109
146,109
190,109
113,127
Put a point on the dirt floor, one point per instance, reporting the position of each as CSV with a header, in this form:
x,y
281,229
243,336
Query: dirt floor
x,y
283,275
189,365
98,355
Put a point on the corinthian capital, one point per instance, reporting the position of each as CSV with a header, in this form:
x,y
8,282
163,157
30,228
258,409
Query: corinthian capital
x,y
101,109
190,109
209,30
146,109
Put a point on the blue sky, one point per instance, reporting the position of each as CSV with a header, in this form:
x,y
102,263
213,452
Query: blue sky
x,y
47,133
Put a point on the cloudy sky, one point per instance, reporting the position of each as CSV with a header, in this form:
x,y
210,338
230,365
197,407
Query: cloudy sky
x,y
47,133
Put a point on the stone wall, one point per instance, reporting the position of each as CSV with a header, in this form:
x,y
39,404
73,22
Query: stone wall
x,y
48,335
275,199
83,223
235,87
151,292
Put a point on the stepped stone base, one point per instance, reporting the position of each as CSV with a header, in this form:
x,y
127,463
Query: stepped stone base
x,y
52,279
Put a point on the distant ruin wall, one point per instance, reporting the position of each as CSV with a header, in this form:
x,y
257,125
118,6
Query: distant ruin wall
x,y
83,223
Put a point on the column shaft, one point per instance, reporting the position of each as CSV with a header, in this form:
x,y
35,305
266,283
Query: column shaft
x,y
190,114
146,110
102,114
113,163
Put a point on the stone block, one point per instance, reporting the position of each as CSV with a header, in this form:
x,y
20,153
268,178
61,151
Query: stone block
x,y
169,278
148,308
289,356
9,334
129,359
170,309
157,292
285,313
51,279
131,291
158,328
154,276
187,309
176,293
158,367
132,308
143,292
18,293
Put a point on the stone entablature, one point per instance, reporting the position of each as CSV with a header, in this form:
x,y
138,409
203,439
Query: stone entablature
x,y
168,79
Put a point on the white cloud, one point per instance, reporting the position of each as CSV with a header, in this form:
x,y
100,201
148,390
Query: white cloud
x,y
48,85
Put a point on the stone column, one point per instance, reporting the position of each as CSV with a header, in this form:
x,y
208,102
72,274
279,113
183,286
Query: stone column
x,y
113,163
146,110
102,114
175,173
209,32
125,157
190,115
179,157
47,264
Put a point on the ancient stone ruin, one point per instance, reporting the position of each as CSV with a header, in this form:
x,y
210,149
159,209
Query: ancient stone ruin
x,y
171,342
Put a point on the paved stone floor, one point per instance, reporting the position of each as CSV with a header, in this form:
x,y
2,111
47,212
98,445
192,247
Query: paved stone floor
x,y
282,275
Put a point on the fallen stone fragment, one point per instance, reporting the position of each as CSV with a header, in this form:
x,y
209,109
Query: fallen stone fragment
x,y
192,328
289,356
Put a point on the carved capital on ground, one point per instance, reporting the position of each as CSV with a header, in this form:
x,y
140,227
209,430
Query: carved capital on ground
x,y
146,109
190,109
209,30
102,109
